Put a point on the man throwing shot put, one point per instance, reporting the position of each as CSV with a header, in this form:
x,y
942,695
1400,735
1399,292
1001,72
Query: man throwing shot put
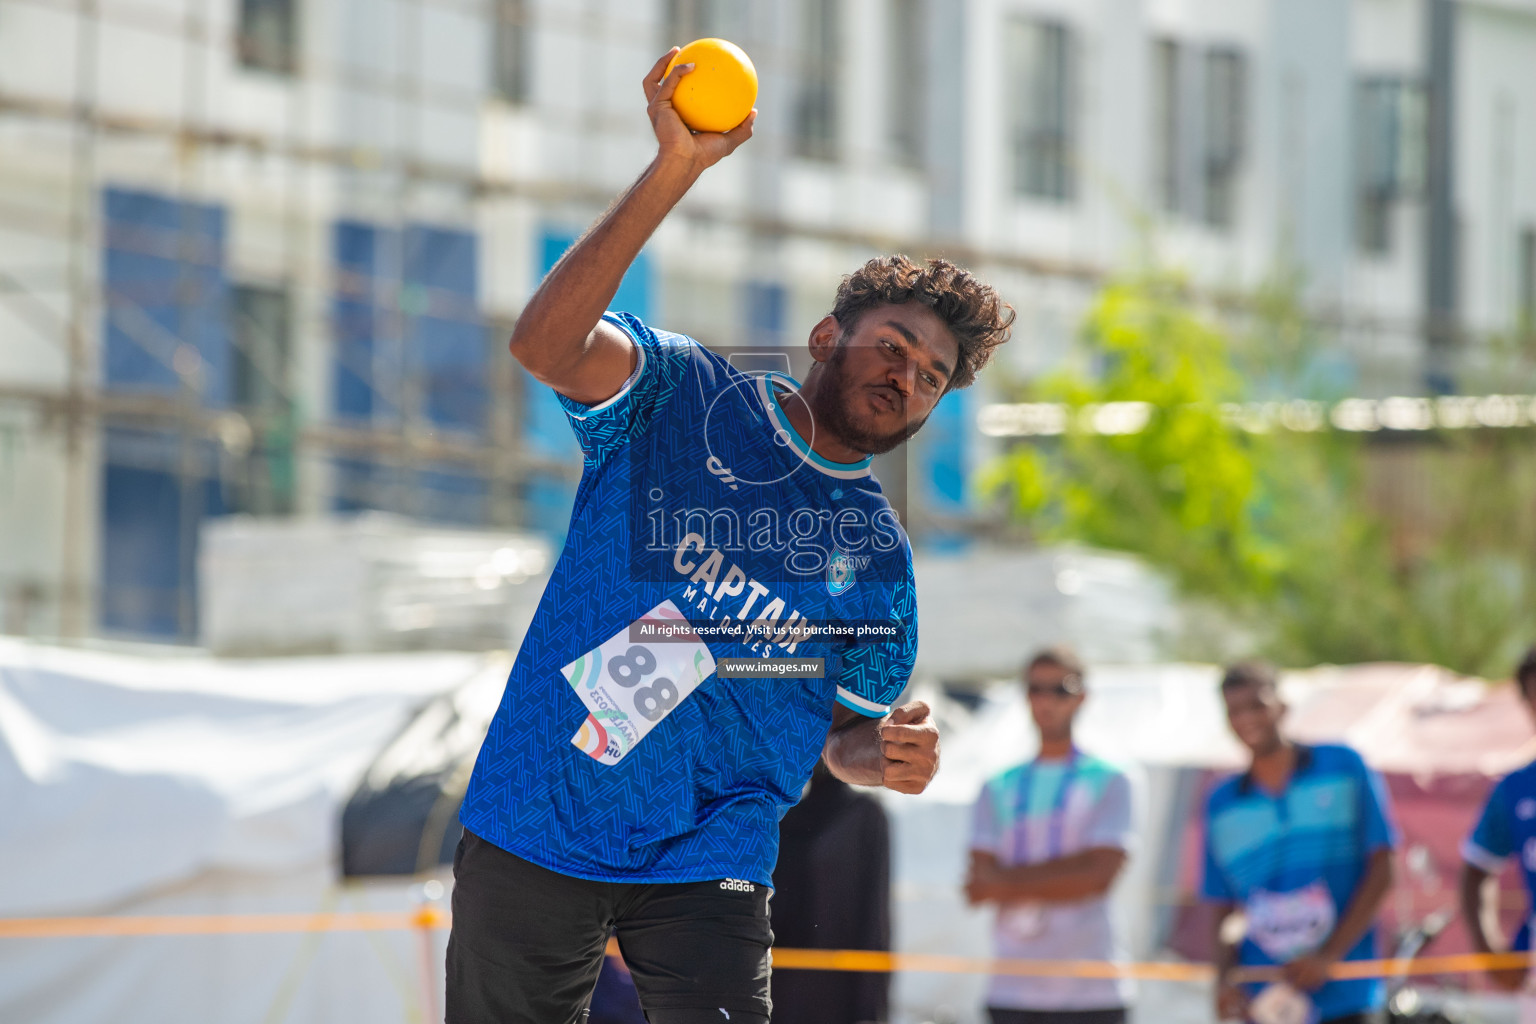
x,y
734,601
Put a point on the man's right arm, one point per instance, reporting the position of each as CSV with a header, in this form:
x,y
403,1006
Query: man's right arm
x,y
560,336
1480,910
1226,927
1231,1000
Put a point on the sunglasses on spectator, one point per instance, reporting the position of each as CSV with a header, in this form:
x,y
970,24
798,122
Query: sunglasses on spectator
x,y
1070,686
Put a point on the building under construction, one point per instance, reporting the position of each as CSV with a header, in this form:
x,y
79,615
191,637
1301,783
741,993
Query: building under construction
x,y
259,256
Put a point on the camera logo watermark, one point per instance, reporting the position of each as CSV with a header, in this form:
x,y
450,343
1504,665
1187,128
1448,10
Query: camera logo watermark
x,y
754,494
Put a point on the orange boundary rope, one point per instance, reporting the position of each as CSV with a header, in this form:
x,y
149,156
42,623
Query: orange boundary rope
x,y
793,959
218,924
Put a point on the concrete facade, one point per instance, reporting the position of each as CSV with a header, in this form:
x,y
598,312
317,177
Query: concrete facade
x,y
389,116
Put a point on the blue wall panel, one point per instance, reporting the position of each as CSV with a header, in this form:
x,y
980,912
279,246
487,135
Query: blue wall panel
x,y
164,287
355,321
149,565
942,468
407,303
141,556
546,431
767,305
449,494
164,290
448,335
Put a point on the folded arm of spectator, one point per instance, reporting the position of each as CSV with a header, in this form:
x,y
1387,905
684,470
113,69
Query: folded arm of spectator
x,y
1069,879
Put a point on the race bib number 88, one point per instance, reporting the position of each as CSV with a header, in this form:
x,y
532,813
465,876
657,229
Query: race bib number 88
x,y
628,687
1286,925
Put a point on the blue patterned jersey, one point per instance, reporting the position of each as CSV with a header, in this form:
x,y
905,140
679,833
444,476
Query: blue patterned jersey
x,y
1293,861
696,493
1507,828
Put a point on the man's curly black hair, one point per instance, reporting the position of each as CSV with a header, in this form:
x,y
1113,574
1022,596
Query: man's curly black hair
x,y
979,320
1525,672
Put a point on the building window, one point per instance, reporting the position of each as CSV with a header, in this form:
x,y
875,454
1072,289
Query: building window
x,y
264,481
907,91
1388,156
1527,285
510,50
816,106
1040,58
687,20
1167,130
767,306
268,36
1226,89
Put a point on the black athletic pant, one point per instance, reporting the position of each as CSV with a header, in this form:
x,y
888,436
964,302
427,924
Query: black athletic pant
x,y
527,944
1108,1016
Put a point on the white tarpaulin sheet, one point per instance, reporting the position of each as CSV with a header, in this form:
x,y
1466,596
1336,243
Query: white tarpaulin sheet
x,y
169,783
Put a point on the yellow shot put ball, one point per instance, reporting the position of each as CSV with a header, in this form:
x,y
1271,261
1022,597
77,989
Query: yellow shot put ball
x,y
717,95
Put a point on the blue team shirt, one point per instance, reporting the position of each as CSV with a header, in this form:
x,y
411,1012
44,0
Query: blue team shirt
x,y
1318,835
695,489
1507,828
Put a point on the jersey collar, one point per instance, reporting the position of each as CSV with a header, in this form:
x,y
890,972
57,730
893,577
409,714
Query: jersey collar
x,y
1304,758
768,386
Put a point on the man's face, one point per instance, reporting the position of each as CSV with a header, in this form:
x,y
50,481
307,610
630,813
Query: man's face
x,y
1054,694
884,376
1254,712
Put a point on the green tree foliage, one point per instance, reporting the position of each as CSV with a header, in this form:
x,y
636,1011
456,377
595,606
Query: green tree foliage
x,y
1288,532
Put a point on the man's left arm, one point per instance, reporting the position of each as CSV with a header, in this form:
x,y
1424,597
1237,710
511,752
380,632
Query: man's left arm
x,y
899,751
872,742
1380,836
1309,973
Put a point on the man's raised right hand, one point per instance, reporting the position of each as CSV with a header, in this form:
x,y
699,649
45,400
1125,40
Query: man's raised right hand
x,y
676,142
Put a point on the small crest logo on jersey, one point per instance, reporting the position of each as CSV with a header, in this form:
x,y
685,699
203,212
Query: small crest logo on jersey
x,y
1525,810
840,573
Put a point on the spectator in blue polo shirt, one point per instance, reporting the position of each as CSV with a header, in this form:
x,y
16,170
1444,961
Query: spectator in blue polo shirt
x,y
1301,843
1506,828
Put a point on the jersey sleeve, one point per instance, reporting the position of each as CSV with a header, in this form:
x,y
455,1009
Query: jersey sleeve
x,y
1378,823
873,675
1493,839
660,364
986,831
1214,886
1113,823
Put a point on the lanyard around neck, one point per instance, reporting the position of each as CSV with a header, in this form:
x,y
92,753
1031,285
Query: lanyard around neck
x,y
1057,823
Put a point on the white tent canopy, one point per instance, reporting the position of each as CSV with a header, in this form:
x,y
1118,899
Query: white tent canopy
x,y
982,608
1160,721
